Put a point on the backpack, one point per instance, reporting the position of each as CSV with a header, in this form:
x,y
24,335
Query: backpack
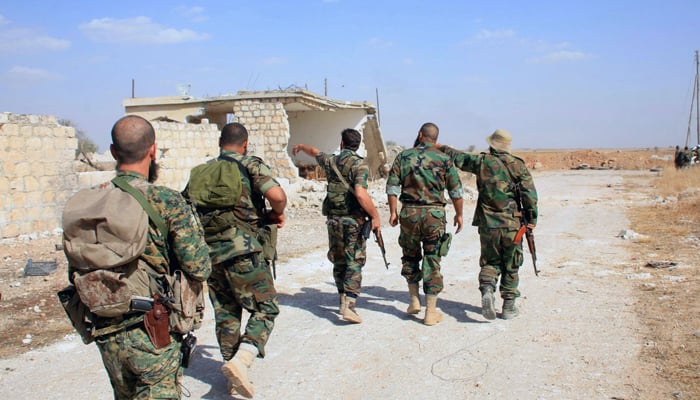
x,y
105,231
216,183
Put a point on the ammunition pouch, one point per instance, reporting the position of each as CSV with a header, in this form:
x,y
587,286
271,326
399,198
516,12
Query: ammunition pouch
x,y
444,244
78,313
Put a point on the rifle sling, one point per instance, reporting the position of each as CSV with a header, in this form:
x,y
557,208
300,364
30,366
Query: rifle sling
x,y
340,176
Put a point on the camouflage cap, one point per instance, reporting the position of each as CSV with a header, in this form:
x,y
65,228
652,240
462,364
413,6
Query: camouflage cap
x,y
500,139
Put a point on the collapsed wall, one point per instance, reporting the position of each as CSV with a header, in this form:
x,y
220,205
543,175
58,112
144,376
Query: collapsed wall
x,y
39,172
36,172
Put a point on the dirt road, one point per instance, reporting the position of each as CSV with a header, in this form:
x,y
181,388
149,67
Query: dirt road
x,y
576,338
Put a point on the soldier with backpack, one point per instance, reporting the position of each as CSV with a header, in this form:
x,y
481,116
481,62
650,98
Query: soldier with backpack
x,y
229,193
125,245
347,206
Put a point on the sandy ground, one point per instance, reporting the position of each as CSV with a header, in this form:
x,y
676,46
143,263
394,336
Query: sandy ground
x,y
577,336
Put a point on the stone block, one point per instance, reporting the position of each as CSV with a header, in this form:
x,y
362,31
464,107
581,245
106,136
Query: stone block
x,y
31,184
18,214
9,129
34,213
9,231
17,186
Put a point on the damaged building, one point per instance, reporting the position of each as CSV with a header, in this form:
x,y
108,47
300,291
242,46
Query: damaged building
x,y
276,121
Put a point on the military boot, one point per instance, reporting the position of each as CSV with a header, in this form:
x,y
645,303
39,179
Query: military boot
x,y
432,315
488,308
414,302
349,313
510,311
343,303
236,370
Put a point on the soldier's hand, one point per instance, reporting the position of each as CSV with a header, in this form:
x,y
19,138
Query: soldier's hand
x,y
295,149
394,219
376,224
458,223
275,218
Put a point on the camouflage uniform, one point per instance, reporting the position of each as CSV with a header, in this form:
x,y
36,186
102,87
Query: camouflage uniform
x,y
497,216
347,247
241,277
136,369
420,176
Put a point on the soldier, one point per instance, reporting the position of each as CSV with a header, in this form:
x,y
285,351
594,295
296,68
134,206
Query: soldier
x,y
241,277
135,367
498,219
347,208
419,177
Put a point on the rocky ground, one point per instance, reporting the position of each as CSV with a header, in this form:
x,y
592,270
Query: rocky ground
x,y
585,330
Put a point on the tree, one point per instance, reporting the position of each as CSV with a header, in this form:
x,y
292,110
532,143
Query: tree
x,y
85,144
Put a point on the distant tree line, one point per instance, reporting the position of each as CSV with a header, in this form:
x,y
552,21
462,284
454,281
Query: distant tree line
x,y
85,144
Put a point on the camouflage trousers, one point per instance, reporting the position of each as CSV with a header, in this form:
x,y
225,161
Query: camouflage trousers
x,y
244,282
500,257
347,252
422,227
136,369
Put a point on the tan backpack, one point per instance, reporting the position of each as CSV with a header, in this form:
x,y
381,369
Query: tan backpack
x,y
105,231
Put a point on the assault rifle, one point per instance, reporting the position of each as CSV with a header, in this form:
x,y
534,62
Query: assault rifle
x,y
366,229
524,229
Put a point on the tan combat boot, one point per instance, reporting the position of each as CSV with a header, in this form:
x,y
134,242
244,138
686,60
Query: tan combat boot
x,y
236,370
414,302
349,314
510,311
432,315
488,308
343,303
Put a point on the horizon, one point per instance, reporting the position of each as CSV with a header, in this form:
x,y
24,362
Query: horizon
x,y
556,75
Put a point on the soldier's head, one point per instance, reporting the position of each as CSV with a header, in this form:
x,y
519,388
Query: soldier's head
x,y
500,140
234,136
350,139
428,133
134,145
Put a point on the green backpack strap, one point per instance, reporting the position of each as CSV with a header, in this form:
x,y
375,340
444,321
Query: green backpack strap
x,y
124,185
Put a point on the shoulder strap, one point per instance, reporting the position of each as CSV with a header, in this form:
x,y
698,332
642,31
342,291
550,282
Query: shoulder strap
x,y
504,165
124,185
241,167
340,176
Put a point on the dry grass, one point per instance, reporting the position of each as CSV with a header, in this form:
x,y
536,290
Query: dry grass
x,y
668,303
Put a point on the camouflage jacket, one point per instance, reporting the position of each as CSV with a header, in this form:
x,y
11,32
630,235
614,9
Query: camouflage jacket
x,y
340,200
496,206
421,175
245,217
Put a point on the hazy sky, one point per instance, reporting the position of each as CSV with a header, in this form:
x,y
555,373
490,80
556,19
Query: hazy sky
x,y
556,74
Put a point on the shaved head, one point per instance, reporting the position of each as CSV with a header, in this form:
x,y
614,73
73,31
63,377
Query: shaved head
x,y
430,132
132,136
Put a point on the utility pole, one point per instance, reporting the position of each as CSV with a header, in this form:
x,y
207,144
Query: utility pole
x,y
325,87
697,99
377,94
696,102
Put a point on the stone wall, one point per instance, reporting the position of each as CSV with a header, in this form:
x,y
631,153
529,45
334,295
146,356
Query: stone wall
x,y
38,170
268,132
36,173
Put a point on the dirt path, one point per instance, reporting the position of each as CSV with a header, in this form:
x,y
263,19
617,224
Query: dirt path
x,y
577,336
